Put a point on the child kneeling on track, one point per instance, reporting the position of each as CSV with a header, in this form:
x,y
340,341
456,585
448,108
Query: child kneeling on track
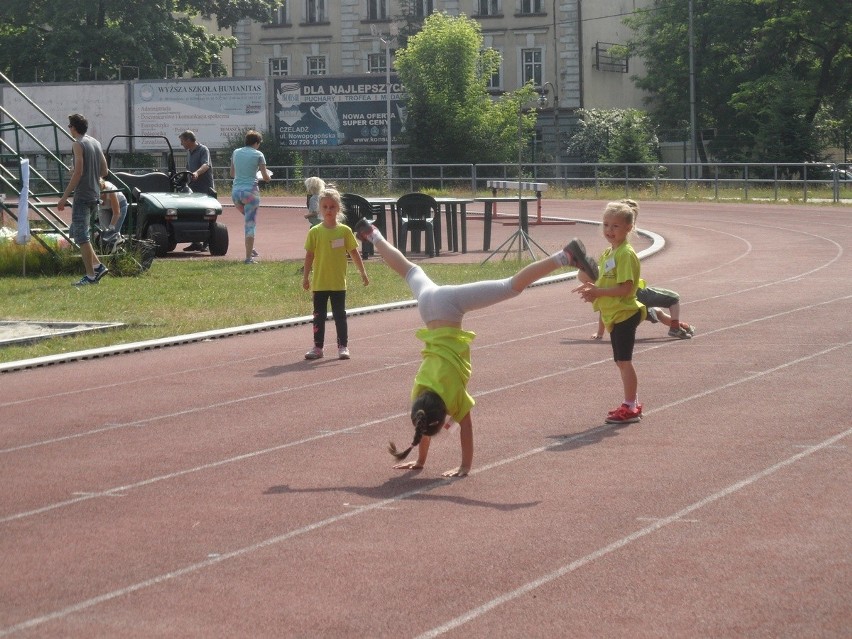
x,y
440,385
656,299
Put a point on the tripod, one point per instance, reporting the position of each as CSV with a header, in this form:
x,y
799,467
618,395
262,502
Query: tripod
x,y
521,236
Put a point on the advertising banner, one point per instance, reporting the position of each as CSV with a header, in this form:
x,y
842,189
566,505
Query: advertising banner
x,y
104,104
219,111
323,111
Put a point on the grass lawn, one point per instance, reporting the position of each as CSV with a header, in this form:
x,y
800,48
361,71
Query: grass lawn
x,y
187,296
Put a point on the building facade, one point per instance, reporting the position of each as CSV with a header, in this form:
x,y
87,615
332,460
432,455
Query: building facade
x,y
563,46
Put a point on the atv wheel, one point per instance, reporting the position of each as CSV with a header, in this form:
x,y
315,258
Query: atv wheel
x,y
218,243
159,235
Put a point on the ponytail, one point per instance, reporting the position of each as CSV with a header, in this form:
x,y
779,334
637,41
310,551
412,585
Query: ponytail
x,y
428,414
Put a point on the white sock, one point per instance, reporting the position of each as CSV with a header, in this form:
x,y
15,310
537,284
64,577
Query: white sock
x,y
561,258
631,405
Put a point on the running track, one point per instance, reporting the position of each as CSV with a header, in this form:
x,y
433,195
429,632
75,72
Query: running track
x,y
228,488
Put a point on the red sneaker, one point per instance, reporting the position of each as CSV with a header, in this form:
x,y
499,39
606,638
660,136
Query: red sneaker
x,y
625,415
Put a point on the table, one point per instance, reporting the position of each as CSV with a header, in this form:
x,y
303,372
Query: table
x,y
453,206
523,215
450,207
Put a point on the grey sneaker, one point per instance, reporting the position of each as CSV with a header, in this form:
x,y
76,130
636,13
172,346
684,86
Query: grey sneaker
x,y
314,353
363,229
679,333
85,281
652,315
577,258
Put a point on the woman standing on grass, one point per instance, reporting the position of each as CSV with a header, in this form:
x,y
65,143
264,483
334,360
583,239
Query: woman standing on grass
x,y
248,165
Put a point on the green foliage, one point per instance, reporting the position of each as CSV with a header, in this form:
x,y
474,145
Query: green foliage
x,y
451,117
51,40
773,78
615,135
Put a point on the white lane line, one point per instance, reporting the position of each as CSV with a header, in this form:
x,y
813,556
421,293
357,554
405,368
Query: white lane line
x,y
511,595
216,558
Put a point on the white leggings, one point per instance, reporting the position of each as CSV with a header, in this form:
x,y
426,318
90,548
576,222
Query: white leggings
x,y
449,302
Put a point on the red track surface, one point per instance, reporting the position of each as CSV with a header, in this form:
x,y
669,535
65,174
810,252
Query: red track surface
x,y
231,489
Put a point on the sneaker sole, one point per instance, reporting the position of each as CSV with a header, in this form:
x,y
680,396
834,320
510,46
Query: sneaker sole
x,y
578,251
632,420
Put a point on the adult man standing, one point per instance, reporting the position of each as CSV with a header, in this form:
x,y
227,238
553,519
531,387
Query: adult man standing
x,y
89,165
201,178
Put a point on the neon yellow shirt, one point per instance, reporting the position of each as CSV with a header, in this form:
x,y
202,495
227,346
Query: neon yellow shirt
x,y
616,267
330,248
446,368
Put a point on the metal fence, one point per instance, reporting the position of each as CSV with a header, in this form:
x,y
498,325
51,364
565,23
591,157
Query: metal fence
x,y
775,182
796,182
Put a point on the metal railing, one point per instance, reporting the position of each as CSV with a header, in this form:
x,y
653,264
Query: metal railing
x,y
754,181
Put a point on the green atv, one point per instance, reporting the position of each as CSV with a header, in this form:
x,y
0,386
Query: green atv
x,y
162,208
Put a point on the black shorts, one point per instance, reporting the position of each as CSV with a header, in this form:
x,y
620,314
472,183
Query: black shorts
x,y
623,337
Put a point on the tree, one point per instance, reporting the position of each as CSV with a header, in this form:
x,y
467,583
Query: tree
x,y
618,136
766,72
451,117
57,39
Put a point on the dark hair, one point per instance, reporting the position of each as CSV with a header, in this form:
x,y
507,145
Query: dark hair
x,y
428,414
253,137
187,135
79,122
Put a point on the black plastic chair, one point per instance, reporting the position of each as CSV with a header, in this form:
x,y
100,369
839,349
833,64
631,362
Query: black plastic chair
x,y
356,208
418,212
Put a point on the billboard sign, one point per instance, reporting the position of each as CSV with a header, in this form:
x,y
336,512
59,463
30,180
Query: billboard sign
x,y
322,111
103,103
218,111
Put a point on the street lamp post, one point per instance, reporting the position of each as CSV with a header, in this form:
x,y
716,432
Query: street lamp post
x,y
386,41
555,104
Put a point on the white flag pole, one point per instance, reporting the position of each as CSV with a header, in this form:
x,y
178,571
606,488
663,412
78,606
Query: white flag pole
x,y
23,236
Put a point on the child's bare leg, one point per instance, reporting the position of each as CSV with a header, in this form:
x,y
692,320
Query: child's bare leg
x,y
674,313
665,318
628,380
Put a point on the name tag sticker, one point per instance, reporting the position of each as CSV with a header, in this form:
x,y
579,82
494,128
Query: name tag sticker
x,y
338,243
609,264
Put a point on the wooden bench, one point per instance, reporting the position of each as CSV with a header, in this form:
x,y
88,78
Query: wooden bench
x,y
537,187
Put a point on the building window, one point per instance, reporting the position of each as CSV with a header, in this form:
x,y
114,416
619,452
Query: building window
x,y
279,66
315,11
495,81
531,66
316,65
488,7
377,9
423,8
279,15
376,63
531,6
